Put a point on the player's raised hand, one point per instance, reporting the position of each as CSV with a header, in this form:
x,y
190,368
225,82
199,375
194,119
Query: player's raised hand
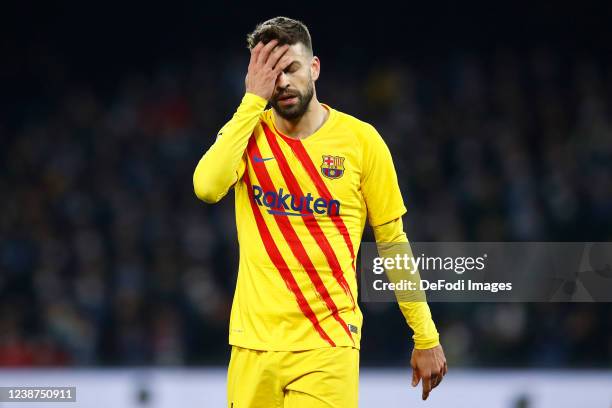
x,y
430,366
267,61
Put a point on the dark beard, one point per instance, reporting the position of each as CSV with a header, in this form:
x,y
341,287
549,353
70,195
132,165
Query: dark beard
x,y
299,109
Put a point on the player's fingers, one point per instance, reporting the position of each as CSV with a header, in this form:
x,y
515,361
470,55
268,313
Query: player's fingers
x,y
425,394
255,52
426,386
265,52
436,379
445,369
283,63
276,55
415,378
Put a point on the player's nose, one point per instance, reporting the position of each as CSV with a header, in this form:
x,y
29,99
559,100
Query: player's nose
x,y
282,81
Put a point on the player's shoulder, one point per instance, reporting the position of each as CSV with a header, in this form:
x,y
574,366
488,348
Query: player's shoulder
x,y
364,131
359,126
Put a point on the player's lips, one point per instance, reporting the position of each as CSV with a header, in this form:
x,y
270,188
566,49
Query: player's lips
x,y
286,96
288,99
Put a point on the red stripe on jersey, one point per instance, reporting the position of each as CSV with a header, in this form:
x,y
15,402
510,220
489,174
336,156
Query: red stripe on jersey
x,y
311,222
292,238
304,158
281,265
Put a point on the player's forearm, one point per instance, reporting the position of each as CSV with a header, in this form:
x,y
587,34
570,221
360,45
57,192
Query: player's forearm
x,y
416,313
218,169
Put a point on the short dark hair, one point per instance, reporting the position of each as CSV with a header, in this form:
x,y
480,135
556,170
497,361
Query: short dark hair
x,y
285,30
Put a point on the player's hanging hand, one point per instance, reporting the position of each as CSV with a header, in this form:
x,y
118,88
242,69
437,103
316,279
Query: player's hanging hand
x,y
267,62
430,366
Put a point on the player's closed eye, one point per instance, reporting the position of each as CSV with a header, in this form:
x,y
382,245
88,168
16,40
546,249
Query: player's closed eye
x,y
292,68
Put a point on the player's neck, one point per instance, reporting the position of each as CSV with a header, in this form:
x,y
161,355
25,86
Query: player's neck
x,y
307,124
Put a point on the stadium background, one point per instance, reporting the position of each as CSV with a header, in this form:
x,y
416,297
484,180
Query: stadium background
x,y
497,115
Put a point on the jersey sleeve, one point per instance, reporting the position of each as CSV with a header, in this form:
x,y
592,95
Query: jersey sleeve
x,y
391,240
379,184
224,163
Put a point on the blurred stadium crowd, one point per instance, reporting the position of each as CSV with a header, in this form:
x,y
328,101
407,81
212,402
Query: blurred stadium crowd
x,y
108,258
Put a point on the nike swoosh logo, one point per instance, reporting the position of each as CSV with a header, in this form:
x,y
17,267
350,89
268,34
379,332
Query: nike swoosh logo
x,y
258,159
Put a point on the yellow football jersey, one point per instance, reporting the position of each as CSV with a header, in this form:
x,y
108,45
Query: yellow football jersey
x,y
301,207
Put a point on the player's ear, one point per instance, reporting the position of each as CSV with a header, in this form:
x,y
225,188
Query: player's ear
x,y
315,68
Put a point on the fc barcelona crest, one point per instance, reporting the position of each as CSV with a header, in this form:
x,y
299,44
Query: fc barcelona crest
x,y
332,166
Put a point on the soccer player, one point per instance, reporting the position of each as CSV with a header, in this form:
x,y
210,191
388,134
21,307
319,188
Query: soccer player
x,y
305,177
